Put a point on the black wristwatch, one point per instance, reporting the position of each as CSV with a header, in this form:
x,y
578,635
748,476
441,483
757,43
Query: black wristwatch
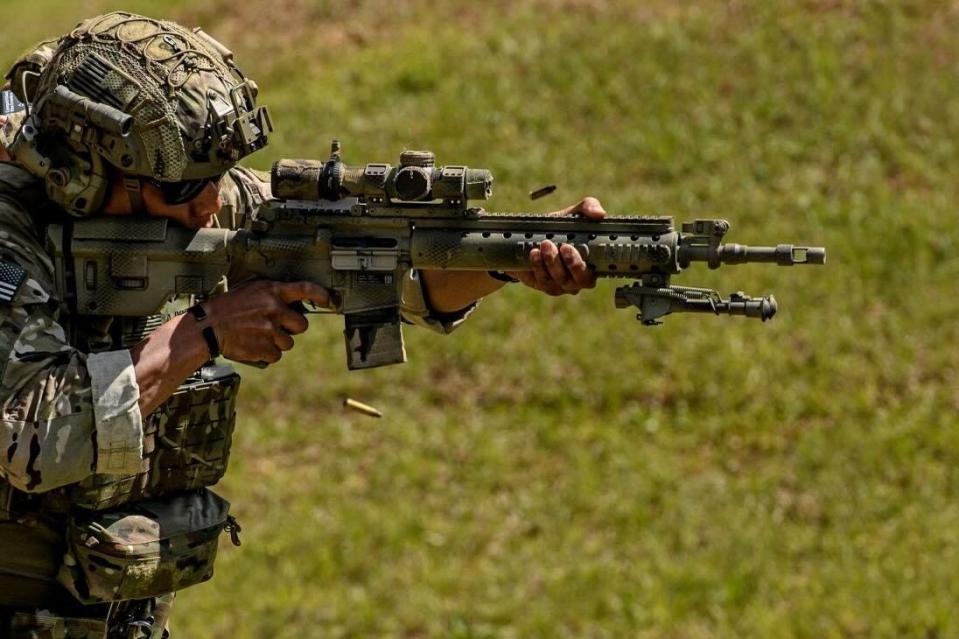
x,y
502,277
207,331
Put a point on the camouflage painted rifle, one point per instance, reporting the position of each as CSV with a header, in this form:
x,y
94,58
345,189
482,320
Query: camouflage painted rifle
x,y
358,229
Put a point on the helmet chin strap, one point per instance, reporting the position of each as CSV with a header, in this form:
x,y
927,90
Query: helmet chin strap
x,y
134,189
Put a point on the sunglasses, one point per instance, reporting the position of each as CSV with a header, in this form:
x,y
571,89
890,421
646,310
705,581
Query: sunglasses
x,y
175,193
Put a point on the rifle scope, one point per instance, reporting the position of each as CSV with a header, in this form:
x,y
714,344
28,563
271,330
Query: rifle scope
x,y
415,179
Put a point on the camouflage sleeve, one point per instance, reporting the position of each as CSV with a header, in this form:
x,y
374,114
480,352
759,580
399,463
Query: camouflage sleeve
x,y
64,414
246,189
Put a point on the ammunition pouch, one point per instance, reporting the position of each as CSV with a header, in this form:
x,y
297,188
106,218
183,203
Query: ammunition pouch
x,y
145,549
186,446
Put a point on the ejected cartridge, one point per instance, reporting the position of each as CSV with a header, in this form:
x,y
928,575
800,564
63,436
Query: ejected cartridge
x,y
360,407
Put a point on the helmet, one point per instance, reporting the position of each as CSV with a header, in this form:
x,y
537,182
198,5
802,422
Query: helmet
x,y
146,96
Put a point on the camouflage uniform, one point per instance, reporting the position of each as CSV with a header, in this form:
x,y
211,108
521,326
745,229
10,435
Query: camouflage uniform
x,y
69,411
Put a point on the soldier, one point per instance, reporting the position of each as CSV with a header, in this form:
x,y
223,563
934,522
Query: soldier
x,y
112,431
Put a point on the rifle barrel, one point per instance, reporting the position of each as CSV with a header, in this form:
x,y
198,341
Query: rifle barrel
x,y
783,254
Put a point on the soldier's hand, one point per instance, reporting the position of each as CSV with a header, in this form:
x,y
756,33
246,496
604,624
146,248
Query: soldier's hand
x,y
561,271
256,321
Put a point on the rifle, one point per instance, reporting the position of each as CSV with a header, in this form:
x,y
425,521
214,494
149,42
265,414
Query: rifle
x,y
357,230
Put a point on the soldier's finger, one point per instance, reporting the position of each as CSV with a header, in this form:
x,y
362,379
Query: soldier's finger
x,y
291,321
283,340
272,355
592,208
538,269
579,271
304,291
554,264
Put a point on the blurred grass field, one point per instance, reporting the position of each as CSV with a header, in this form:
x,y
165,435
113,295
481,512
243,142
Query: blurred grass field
x,y
553,469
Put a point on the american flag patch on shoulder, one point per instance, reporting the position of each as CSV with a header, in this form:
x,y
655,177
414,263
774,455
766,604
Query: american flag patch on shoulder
x,y
12,276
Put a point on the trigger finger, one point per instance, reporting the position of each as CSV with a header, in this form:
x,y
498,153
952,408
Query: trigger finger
x,y
303,291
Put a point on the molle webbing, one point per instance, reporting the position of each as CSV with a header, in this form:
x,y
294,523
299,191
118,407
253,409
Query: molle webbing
x,y
186,446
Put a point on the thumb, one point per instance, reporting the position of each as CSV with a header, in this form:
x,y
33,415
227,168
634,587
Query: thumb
x,y
588,207
592,208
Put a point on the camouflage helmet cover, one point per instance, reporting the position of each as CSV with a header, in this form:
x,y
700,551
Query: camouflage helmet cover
x,y
148,97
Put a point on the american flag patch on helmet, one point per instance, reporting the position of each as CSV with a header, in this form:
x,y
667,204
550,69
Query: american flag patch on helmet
x,y
11,277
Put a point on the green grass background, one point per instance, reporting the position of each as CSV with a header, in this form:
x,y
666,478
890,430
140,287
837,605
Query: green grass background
x,y
553,469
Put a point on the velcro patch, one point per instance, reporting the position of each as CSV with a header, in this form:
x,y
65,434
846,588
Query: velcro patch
x,y
9,103
12,276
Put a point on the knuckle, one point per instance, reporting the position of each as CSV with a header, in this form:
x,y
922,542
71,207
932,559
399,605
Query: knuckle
x,y
273,304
